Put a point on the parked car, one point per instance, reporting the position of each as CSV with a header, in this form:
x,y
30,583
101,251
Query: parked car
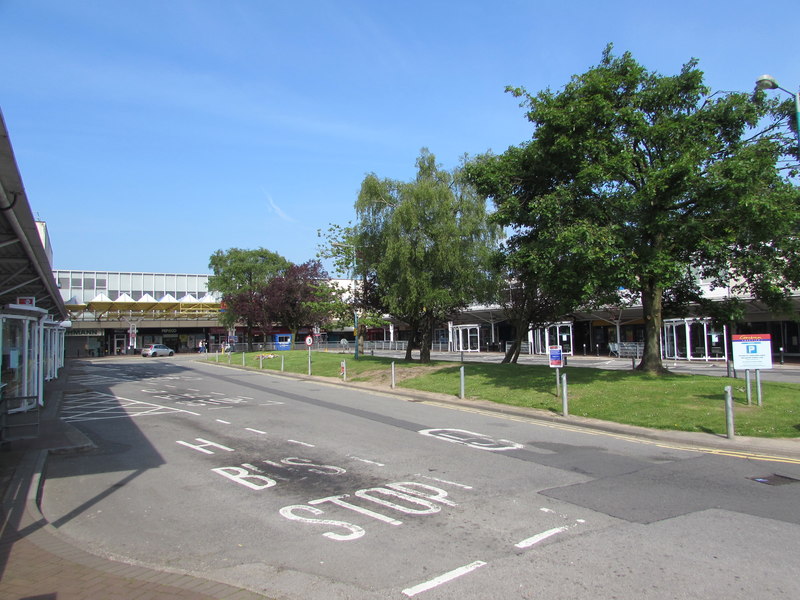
x,y
157,350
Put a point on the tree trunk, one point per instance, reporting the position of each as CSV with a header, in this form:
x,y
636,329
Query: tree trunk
x,y
652,296
512,354
425,342
410,346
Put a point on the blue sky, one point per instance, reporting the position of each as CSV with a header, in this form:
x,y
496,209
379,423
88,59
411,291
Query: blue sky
x,y
151,133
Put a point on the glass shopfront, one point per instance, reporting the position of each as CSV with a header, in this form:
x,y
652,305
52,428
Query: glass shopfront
x,y
32,353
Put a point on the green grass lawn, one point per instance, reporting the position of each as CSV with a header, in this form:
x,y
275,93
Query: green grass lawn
x,y
679,402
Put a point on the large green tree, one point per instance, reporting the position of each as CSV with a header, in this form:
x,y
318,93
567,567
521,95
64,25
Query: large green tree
x,y
425,246
239,275
638,182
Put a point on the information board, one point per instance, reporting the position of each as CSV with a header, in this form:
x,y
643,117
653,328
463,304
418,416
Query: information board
x,y
556,357
752,351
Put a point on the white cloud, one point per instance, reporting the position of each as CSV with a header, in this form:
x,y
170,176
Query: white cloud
x,y
277,210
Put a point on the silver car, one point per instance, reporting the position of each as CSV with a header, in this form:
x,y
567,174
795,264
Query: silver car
x,y
157,350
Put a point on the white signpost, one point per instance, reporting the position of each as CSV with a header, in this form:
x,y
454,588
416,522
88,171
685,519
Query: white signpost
x,y
309,343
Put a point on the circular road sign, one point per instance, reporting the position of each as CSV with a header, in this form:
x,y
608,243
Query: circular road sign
x,y
309,340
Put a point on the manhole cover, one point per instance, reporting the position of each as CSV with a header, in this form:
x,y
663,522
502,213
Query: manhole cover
x,y
775,479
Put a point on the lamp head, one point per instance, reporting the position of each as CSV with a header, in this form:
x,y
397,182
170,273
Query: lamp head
x,y
767,82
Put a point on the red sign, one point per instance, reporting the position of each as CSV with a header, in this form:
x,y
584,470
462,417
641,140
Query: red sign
x,y
27,300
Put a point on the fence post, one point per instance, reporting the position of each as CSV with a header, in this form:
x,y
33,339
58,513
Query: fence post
x,y
729,411
461,395
564,400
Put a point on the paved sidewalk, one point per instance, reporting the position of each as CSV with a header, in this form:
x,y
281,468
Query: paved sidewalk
x,y
36,563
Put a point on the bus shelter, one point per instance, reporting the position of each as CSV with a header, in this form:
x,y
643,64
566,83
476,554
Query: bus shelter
x,y
693,339
556,334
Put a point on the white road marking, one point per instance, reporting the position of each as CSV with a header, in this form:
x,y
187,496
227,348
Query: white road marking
x,y
461,485
94,406
437,581
256,430
203,447
221,421
301,443
539,537
364,460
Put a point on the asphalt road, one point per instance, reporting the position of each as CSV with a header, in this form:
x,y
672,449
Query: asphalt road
x,y
302,490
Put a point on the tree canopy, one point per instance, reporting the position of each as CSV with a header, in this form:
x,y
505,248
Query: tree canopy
x,y
301,296
638,182
238,274
424,246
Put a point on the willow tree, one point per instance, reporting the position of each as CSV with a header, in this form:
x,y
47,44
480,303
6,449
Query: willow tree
x,y
426,245
636,182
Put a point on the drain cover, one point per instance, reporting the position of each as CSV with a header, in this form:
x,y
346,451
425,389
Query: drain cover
x,y
775,479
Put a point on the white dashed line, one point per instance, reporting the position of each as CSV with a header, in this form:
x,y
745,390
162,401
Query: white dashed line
x,y
301,443
437,581
256,430
221,421
461,485
539,537
364,460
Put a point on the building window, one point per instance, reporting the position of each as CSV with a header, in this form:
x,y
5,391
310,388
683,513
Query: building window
x,y
77,282
100,283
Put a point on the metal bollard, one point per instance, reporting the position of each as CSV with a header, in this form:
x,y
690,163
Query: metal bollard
x,y
392,374
564,399
747,387
758,386
558,382
729,411
461,395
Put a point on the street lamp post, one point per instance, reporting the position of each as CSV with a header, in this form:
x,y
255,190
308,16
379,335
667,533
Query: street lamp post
x,y
768,82
355,309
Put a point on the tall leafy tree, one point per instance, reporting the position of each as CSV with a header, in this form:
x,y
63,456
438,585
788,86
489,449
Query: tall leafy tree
x,y
426,245
239,275
641,182
341,247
